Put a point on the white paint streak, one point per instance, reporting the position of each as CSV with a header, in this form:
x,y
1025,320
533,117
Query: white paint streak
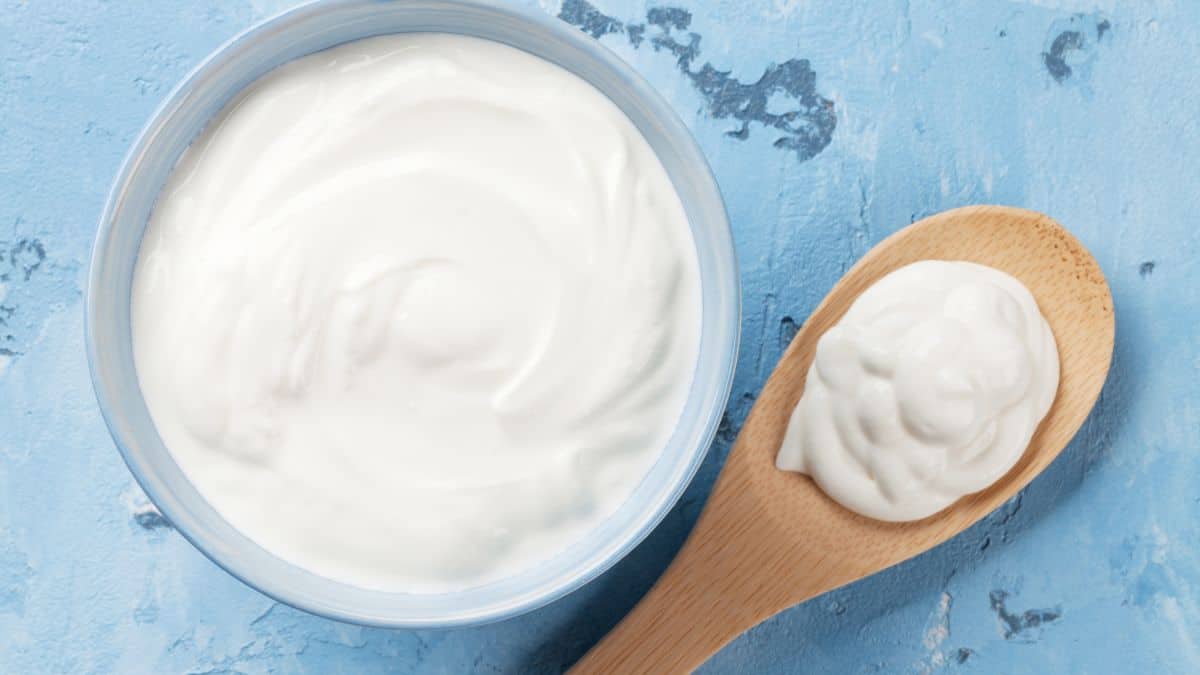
x,y
940,630
1170,610
933,39
1159,553
935,635
785,8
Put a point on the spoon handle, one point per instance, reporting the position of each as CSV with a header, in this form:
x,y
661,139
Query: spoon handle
x,y
733,572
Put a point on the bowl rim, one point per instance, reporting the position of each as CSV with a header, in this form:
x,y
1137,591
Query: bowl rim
x,y
227,51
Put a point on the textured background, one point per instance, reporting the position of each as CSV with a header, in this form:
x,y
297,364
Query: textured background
x,y
829,127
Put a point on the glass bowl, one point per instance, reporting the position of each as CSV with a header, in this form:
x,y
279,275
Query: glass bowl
x,y
181,118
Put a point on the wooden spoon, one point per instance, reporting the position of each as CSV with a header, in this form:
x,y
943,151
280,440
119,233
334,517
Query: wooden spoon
x,y
770,539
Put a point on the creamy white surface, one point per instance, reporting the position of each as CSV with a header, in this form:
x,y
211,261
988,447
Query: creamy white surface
x,y
417,312
928,389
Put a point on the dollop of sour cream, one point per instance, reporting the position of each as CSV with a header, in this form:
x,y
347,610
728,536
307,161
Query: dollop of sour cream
x,y
928,389
417,312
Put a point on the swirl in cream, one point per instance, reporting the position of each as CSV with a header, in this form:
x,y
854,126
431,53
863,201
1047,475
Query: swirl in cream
x,y
417,311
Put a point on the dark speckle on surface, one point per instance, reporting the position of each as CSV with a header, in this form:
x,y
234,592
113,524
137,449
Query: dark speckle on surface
x,y
636,34
149,518
1146,269
669,17
806,124
1073,44
1014,625
731,420
726,431
589,19
963,654
1056,64
787,330
731,424
21,259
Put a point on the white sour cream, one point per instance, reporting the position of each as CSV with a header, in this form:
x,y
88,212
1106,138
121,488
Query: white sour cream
x,y
928,389
417,312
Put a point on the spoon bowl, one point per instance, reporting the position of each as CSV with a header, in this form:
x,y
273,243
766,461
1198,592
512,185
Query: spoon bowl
x,y
769,539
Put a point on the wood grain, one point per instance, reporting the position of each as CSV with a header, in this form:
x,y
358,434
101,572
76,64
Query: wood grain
x,y
769,539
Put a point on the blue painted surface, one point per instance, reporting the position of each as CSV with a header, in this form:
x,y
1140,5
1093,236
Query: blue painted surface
x,y
828,128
